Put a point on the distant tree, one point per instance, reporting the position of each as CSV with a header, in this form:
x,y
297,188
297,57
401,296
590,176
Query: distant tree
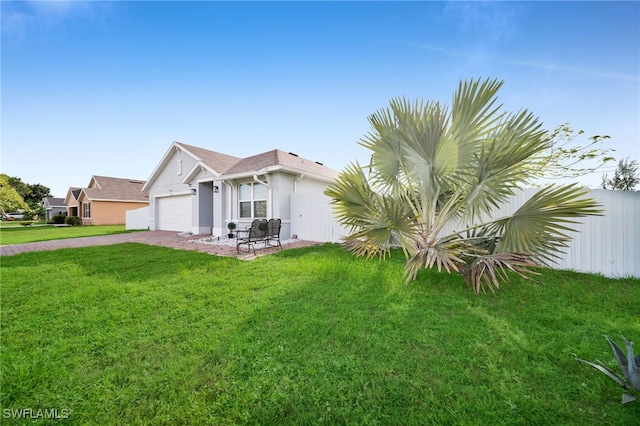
x,y
32,194
21,188
625,178
36,194
10,199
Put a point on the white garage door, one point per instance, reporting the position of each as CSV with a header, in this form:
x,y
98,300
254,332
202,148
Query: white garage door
x,y
174,213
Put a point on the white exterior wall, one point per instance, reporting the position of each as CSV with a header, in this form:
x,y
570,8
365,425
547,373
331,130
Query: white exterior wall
x,y
168,184
208,213
306,185
283,186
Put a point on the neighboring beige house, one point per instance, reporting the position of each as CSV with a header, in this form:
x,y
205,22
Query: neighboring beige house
x,y
71,201
200,191
106,200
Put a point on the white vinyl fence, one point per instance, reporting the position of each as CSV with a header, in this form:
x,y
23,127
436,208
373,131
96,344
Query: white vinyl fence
x,y
609,244
312,219
138,218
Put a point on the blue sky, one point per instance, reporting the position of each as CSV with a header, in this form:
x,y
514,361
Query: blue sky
x,y
103,88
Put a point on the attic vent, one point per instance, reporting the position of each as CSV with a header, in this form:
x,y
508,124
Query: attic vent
x,y
317,162
291,153
136,181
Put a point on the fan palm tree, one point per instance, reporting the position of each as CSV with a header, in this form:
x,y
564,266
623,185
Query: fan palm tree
x,y
431,167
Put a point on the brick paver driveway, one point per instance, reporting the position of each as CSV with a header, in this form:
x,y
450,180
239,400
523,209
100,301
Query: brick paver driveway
x,y
155,238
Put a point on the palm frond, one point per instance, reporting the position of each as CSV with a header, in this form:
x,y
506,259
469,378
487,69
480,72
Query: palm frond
x,y
501,162
352,196
474,114
445,253
386,144
375,220
538,227
421,127
488,270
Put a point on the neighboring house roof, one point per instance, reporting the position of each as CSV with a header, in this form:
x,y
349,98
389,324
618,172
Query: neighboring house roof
x,y
72,193
103,188
228,167
53,202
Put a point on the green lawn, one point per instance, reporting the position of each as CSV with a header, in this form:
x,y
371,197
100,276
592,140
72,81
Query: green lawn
x,y
134,334
16,234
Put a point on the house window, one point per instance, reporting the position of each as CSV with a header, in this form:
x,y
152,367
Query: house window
x,y
253,200
86,210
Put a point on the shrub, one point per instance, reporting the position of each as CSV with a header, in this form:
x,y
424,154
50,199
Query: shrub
x,y
25,223
57,219
73,221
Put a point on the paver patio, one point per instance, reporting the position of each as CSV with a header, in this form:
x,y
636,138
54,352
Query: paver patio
x,y
156,238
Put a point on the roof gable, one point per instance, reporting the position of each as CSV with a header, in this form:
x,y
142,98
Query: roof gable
x,y
72,194
214,161
116,189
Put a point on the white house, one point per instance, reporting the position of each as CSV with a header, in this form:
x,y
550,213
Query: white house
x,y
200,191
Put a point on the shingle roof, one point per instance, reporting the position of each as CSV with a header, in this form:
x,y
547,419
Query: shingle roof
x,y
215,160
277,157
110,188
230,167
55,202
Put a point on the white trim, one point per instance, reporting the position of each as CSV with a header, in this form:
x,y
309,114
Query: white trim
x,y
253,200
172,194
117,201
269,169
255,179
84,210
199,166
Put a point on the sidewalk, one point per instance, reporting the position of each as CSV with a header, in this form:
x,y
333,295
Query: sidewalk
x,y
155,238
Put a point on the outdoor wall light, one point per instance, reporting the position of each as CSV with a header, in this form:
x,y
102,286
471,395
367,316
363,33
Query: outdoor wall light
x,y
193,191
216,189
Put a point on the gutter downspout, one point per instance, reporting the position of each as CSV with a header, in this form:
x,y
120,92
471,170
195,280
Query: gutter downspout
x,y
295,182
